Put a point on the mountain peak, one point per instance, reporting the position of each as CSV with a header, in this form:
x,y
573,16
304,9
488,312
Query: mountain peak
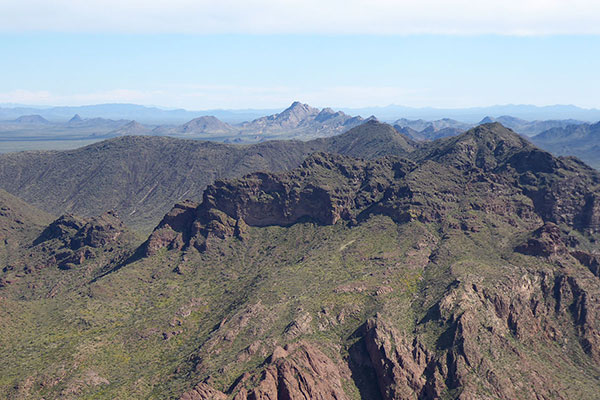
x,y
133,124
206,124
373,139
496,131
485,146
298,104
76,118
299,110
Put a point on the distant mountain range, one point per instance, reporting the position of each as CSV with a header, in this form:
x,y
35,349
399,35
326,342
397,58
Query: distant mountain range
x,y
476,114
161,116
145,114
299,121
581,141
430,130
302,122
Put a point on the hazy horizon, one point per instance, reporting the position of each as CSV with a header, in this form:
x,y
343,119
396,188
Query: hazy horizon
x,y
283,106
199,55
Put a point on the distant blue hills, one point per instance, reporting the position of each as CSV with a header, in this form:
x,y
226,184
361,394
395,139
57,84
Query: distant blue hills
x,y
158,115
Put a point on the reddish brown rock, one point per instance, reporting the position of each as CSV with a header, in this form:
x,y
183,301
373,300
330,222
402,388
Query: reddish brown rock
x,y
299,372
545,241
174,230
202,391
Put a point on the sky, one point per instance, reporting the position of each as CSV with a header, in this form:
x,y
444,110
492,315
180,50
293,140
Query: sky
x,y
264,54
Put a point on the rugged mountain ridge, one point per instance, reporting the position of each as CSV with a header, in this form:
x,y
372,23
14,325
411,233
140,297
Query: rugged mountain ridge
x,y
328,188
542,307
463,269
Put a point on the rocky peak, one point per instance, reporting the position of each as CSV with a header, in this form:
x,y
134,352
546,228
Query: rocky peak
x,y
325,189
329,188
372,139
132,124
76,232
174,230
297,111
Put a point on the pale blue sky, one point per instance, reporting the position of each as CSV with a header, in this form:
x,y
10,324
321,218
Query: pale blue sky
x,y
513,60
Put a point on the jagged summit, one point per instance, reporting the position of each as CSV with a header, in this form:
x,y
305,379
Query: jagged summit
x,y
495,132
299,108
302,119
328,114
295,113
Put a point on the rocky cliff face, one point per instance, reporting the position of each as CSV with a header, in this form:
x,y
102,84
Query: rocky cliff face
x,y
296,372
480,325
504,175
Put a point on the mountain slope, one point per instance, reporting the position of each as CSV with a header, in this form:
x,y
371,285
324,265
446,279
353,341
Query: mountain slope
x,y
581,140
20,223
141,177
468,272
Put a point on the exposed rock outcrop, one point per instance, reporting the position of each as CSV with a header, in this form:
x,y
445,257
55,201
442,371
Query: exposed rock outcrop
x,y
297,372
545,241
202,391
